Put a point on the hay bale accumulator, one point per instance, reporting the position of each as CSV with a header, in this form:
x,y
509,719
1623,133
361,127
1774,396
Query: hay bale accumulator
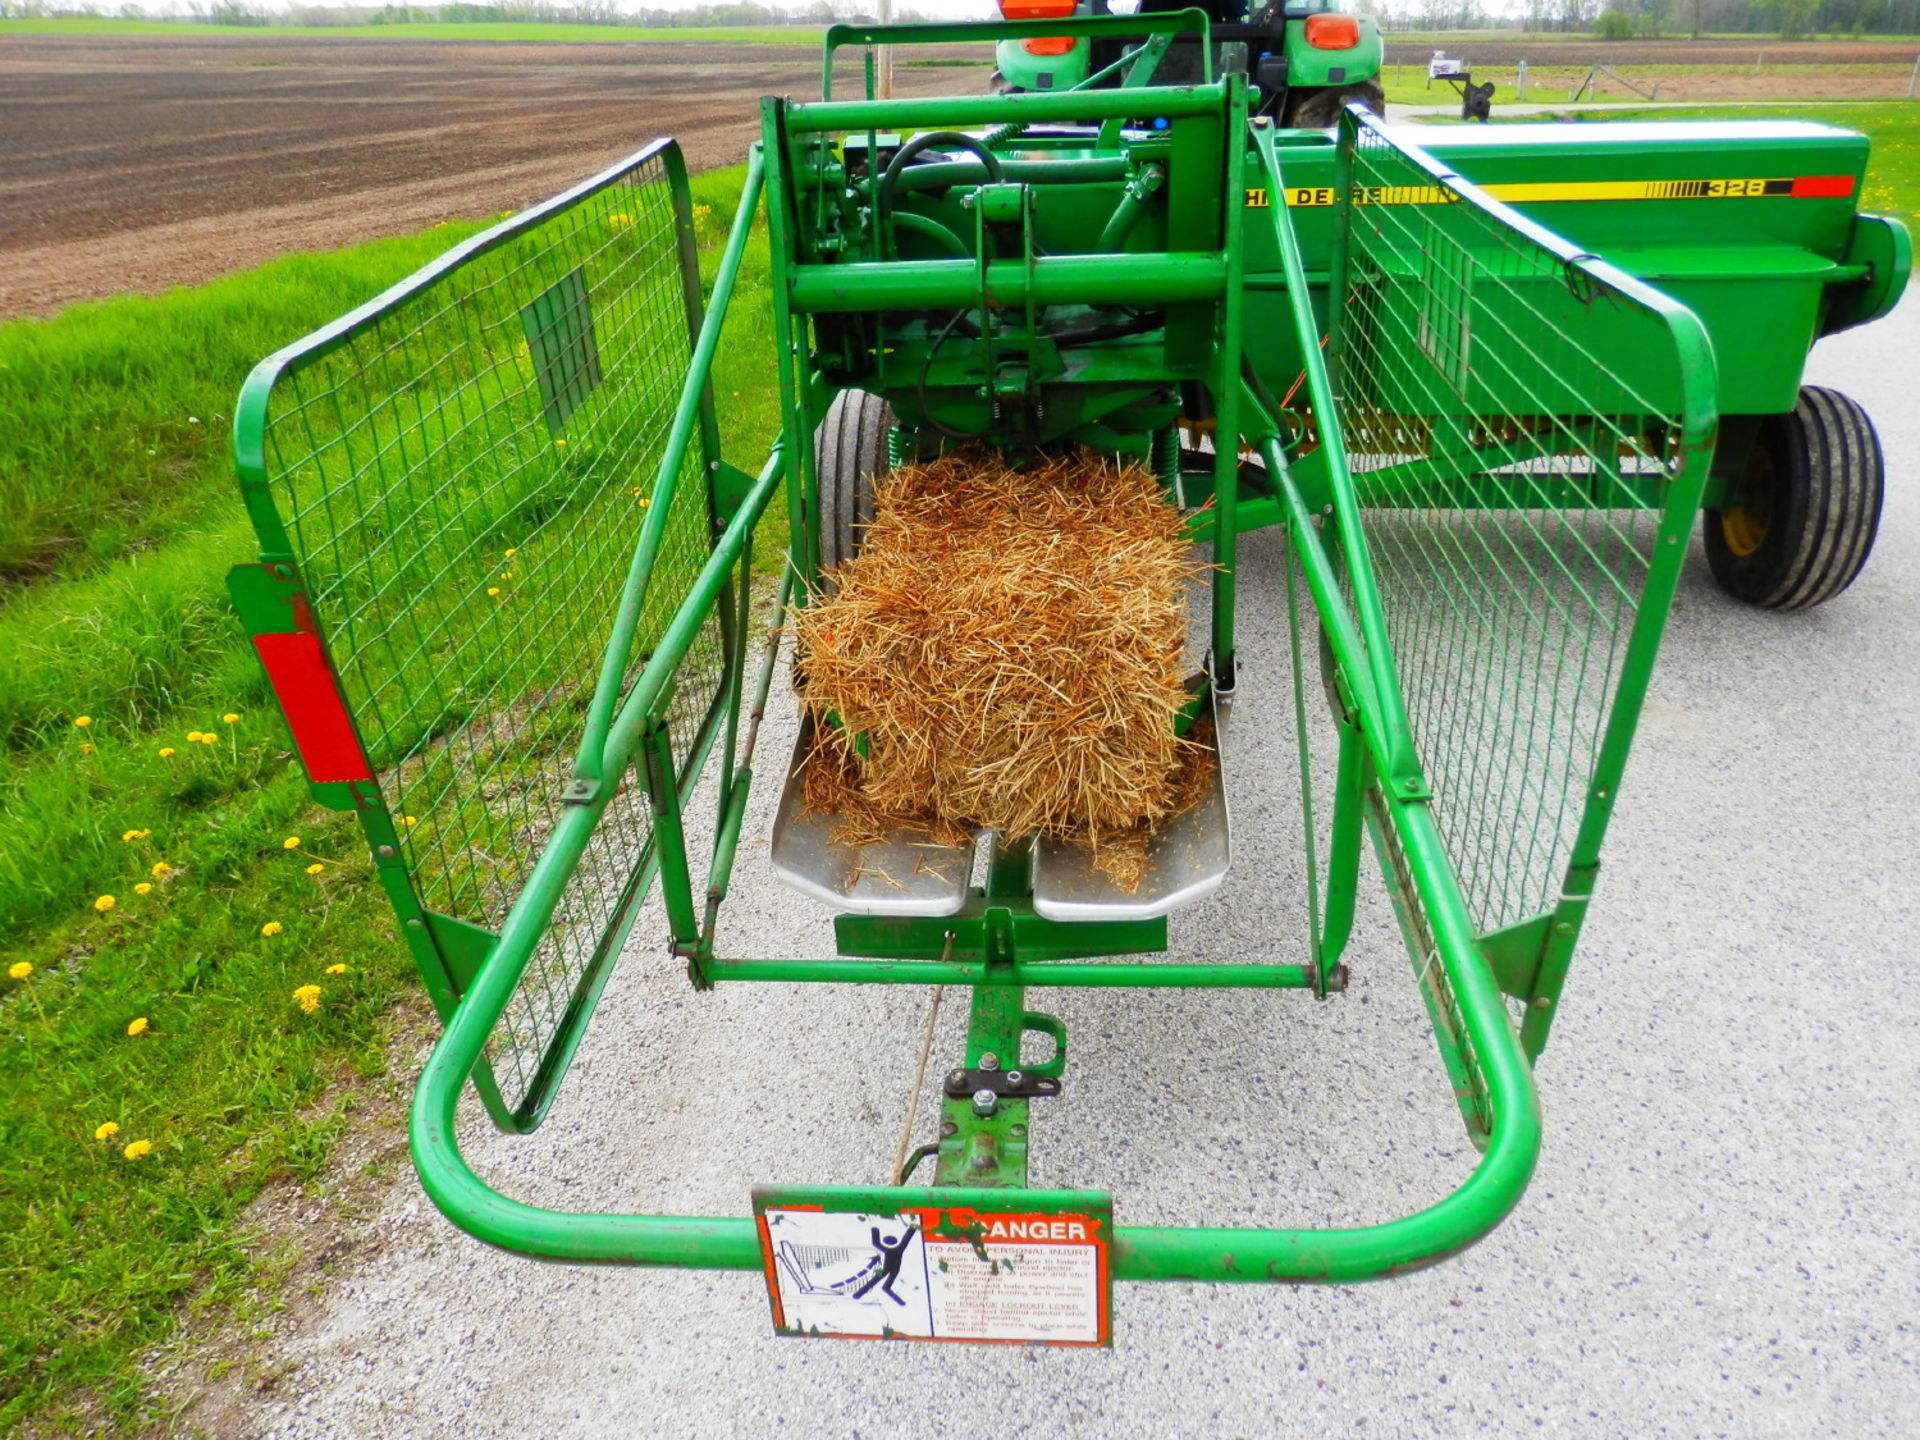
x,y
1042,358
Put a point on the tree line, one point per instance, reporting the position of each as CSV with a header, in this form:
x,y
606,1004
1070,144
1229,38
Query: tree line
x,y
1609,19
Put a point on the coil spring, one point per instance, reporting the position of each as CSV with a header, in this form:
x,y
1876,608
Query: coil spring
x,y
1166,458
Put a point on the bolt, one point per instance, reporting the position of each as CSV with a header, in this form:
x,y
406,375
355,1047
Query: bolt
x,y
1016,1131
984,1162
985,1102
989,1061
947,1127
956,1077
385,852
1014,1077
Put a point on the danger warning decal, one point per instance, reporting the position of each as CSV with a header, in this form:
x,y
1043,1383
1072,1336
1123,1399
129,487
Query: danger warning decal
x,y
1803,187
938,1273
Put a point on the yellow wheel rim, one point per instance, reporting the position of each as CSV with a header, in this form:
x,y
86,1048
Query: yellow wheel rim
x,y
1742,529
1743,524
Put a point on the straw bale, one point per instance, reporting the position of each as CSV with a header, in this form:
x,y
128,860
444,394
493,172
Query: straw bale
x,y
1005,651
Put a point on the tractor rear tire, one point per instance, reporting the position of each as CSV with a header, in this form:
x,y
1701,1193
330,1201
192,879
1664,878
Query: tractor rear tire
x,y
850,450
1801,521
1320,109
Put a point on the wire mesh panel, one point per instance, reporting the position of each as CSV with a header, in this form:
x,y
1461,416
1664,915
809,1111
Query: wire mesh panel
x,y
459,472
1527,432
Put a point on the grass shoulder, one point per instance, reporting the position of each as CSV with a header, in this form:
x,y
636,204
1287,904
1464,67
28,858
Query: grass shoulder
x,y
196,963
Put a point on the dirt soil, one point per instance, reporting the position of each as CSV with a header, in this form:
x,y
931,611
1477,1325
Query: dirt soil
x,y
137,163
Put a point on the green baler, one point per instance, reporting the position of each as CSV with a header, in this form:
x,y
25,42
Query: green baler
x,y
1484,380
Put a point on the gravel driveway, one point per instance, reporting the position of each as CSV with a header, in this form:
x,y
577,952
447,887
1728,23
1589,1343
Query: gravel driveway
x,y
1720,1240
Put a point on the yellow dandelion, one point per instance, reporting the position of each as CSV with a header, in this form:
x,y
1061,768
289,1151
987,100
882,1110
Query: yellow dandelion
x,y
106,1131
307,997
559,444
137,1025
82,721
208,738
292,842
493,590
408,821
145,887
511,554
103,904
336,969
166,752
161,870
138,1150
230,718
315,869
19,970
645,501
86,748
271,928
129,836
193,737
506,574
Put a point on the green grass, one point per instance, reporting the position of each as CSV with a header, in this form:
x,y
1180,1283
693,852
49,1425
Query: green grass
x,y
436,30
1406,84
232,1083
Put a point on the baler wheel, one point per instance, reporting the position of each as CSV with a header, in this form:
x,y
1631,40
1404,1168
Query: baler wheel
x,y
1320,109
1799,525
850,449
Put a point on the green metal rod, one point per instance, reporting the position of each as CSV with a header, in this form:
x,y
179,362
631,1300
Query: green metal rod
x,y
1038,974
1035,108
444,1173
1325,586
1067,170
613,663
1050,280
1183,22
727,837
1398,763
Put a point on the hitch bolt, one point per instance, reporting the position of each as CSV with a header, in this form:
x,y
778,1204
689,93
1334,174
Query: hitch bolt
x,y
985,1102
957,1076
990,1061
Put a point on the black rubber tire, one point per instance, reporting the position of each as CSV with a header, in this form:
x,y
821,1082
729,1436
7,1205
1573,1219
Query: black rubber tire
x,y
850,449
1816,480
1320,109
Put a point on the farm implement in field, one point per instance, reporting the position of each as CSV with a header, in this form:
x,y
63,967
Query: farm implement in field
x,y
1486,382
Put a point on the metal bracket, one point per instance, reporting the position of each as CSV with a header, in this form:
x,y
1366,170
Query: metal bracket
x,y
579,792
1005,1084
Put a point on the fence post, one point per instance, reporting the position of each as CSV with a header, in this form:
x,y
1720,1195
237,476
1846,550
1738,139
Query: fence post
x,y
1520,80
1913,80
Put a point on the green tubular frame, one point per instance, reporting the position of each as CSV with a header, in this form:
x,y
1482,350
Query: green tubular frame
x,y
1140,1252
629,726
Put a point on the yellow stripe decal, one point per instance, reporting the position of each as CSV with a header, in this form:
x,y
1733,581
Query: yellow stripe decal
x,y
1535,193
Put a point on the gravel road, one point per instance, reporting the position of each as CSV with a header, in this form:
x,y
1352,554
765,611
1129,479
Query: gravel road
x,y
1720,1239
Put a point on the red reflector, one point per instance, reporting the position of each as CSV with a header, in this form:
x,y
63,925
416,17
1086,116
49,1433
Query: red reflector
x,y
1823,187
1333,32
1050,45
1037,9
315,713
